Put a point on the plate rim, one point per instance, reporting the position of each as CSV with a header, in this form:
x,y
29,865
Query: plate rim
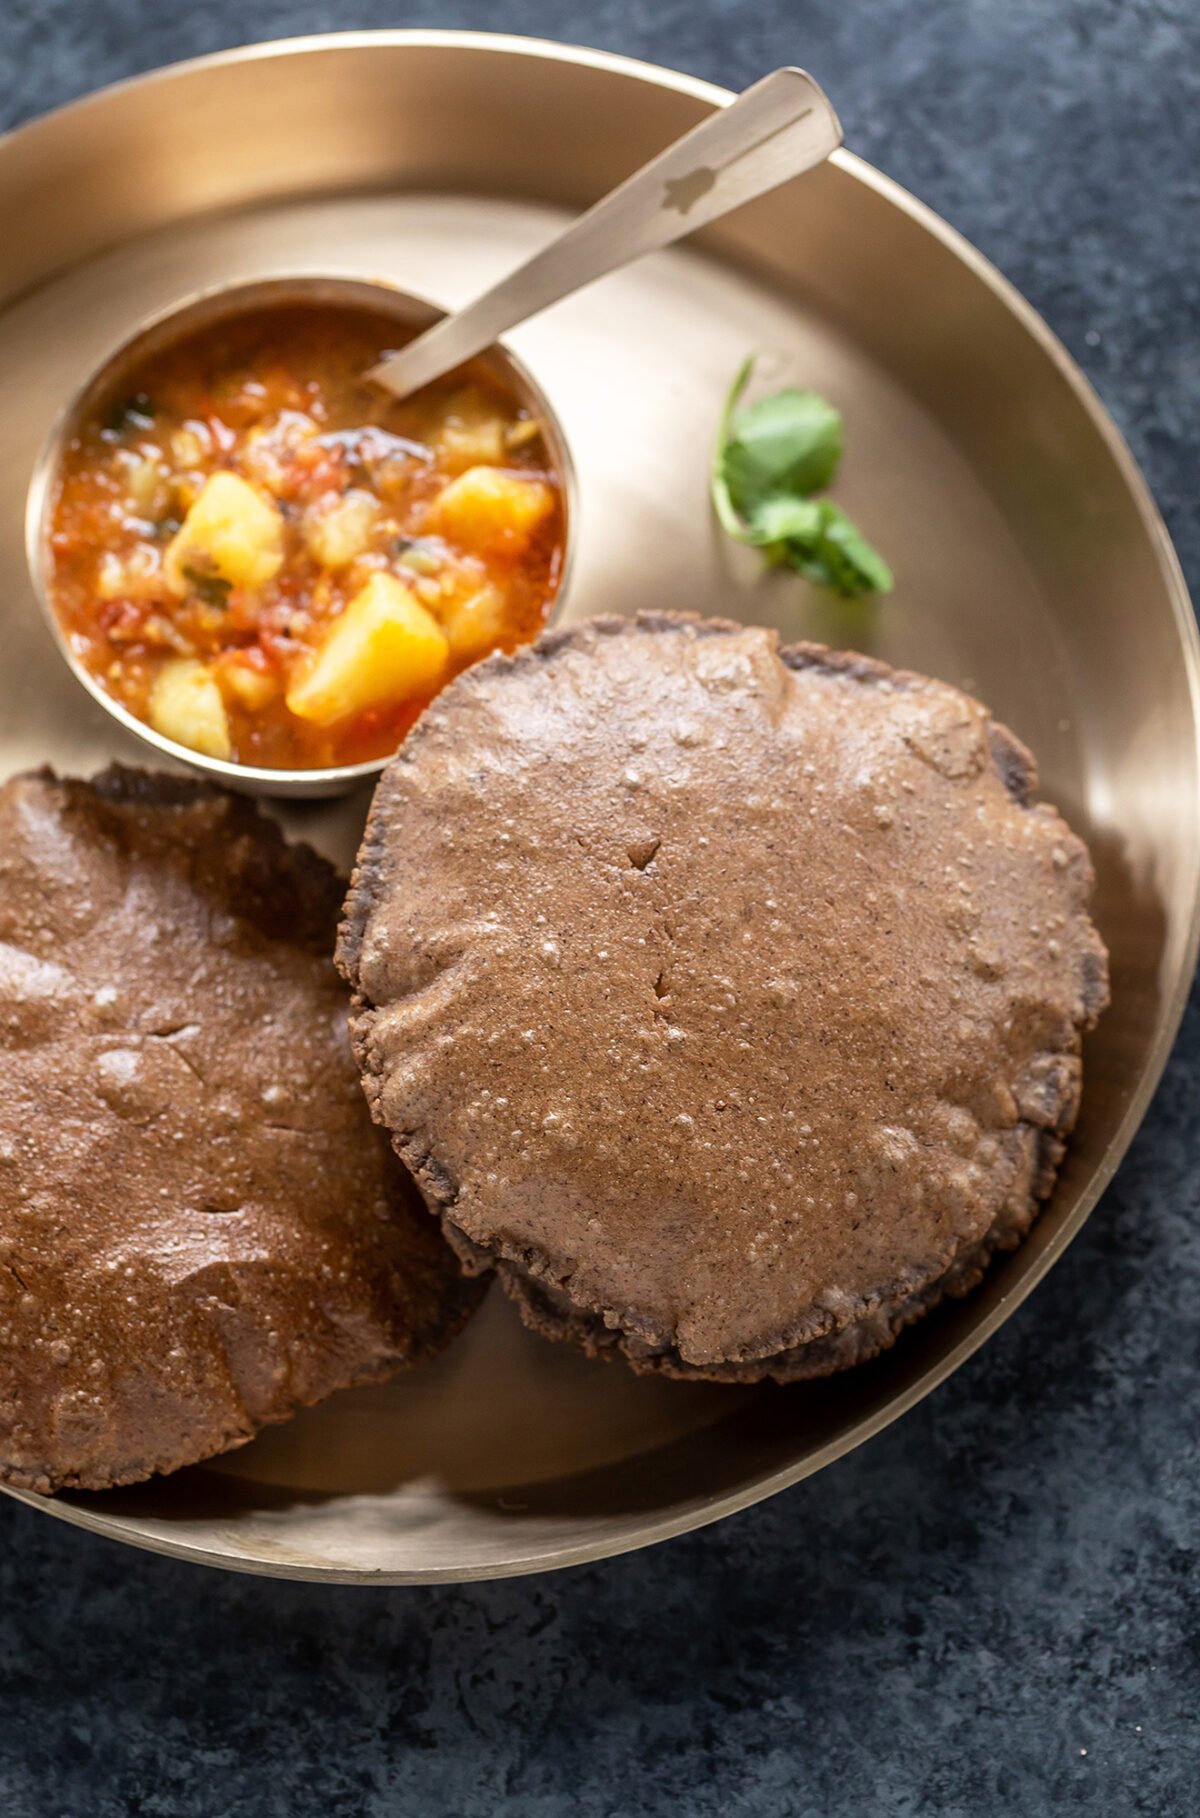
x,y
652,1531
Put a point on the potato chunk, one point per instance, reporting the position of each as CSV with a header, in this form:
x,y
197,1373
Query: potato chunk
x,y
474,625
242,682
230,532
464,445
186,705
338,529
383,648
470,431
491,511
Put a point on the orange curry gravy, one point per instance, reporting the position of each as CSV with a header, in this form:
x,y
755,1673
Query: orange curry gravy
x,y
429,531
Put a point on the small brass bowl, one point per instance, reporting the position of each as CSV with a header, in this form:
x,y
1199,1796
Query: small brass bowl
x,y
159,332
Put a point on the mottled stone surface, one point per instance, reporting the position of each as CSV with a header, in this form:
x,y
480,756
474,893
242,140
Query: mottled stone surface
x,y
994,1608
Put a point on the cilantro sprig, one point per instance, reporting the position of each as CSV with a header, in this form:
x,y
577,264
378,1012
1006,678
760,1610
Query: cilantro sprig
x,y
768,461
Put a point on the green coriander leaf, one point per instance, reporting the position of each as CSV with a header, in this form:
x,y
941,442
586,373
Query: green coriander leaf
x,y
789,442
856,558
723,504
776,520
838,556
767,461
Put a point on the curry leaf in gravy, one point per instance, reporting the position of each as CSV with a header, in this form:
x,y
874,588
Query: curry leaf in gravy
x,y
129,416
769,459
213,589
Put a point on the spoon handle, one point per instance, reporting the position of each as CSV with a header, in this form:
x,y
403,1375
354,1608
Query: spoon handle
x,y
781,126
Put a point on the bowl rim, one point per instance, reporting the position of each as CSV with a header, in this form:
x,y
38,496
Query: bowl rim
x,y
212,304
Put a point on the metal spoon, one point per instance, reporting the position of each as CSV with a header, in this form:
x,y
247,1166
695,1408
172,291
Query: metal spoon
x,y
776,129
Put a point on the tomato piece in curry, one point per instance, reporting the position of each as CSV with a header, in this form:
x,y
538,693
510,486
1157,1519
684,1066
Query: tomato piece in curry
x,y
269,560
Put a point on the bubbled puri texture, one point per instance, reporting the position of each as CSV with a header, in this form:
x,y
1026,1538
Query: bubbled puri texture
x,y
725,999
199,1229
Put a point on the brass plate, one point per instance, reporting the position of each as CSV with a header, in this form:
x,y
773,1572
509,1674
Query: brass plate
x,y
1032,568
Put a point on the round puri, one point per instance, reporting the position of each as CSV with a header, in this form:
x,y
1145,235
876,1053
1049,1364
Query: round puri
x,y
199,1229
725,999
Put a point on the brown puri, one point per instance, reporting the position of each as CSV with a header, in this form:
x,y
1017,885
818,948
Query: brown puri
x,y
725,1000
200,1231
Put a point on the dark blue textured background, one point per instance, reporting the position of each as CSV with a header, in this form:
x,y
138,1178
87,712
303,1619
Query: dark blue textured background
x,y
994,1608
